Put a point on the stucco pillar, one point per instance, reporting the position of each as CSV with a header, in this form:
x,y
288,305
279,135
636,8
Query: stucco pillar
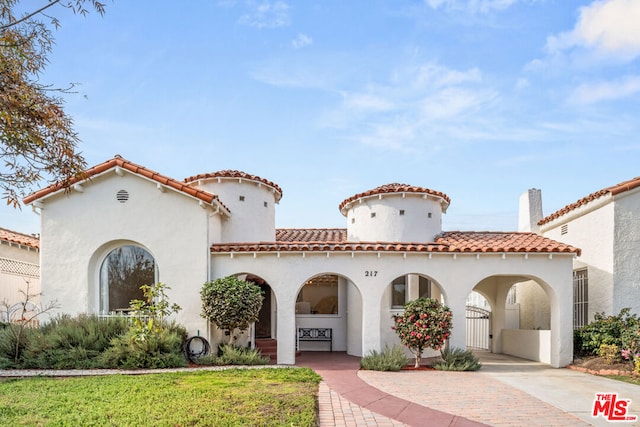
x,y
498,317
371,324
561,301
286,328
458,305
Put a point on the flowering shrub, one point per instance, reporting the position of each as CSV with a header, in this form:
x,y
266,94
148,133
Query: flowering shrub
x,y
631,344
425,323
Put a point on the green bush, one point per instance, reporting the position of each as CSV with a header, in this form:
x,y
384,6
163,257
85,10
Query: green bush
x,y
12,348
72,342
457,359
604,330
389,359
162,349
232,355
610,352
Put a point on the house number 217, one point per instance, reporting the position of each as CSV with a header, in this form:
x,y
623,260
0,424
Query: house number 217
x,y
370,273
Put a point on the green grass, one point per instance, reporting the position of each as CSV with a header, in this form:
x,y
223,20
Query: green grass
x,y
235,397
634,379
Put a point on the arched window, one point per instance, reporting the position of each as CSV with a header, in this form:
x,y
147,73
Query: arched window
x,y
123,271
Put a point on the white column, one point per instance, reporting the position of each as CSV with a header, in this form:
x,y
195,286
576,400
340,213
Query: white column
x,y
458,306
286,327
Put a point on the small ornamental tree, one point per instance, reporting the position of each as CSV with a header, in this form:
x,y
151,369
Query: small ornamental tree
x,y
425,323
231,303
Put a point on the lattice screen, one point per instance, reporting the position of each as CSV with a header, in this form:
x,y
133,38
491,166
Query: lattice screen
x,y
20,268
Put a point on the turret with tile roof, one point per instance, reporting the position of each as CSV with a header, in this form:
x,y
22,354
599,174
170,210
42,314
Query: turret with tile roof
x,y
395,213
250,199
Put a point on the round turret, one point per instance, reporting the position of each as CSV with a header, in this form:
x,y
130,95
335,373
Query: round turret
x,y
250,199
395,213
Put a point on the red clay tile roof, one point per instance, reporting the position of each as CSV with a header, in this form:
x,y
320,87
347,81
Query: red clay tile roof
x,y
395,188
19,238
118,161
321,240
613,191
237,174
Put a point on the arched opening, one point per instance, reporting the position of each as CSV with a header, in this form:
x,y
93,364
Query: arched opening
x,y
328,312
520,321
401,290
122,272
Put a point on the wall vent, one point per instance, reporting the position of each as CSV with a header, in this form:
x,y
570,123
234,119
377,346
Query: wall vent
x,y
564,229
122,196
241,198
401,212
266,205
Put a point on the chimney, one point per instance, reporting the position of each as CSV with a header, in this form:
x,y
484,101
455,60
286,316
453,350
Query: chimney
x,y
530,211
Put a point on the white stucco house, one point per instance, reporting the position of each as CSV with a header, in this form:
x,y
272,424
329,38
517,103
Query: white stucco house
x,y
19,259
123,223
605,225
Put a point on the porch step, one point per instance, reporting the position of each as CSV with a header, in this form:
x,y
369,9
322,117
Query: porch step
x,y
268,347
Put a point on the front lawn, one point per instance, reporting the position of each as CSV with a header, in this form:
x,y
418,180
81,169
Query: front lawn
x,y
235,397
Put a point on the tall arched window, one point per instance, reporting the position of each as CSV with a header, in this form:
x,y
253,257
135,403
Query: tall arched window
x,y
123,271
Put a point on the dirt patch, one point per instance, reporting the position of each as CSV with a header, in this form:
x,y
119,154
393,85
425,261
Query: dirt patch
x,y
601,366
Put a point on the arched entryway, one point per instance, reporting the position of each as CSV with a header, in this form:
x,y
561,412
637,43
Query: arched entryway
x,y
328,311
520,321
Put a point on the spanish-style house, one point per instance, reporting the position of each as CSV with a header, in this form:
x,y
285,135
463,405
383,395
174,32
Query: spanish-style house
x,y
19,271
123,225
605,225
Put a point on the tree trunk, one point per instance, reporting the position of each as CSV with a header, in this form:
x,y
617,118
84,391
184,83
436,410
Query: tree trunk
x,y
418,358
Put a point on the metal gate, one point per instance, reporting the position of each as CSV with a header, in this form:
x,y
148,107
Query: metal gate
x,y
478,328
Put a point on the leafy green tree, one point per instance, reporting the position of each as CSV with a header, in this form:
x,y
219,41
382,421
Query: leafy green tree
x,y
36,136
150,313
231,303
425,323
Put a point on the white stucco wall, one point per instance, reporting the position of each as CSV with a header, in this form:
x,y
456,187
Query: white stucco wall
x,y
388,225
626,252
251,220
528,344
80,229
591,228
19,252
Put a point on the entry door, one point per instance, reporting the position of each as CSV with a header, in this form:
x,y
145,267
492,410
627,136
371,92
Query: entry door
x,y
263,325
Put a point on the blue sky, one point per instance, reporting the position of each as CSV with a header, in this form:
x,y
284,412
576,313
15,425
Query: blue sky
x,y
479,99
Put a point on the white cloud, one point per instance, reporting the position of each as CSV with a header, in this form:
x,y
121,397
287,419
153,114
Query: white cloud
x,y
266,14
605,91
301,41
482,6
610,27
367,102
415,105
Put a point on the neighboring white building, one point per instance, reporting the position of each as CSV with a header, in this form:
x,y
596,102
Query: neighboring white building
x,y
19,259
606,227
124,224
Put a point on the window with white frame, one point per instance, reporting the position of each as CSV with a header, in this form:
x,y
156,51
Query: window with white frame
x,y
580,298
398,292
399,289
122,273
